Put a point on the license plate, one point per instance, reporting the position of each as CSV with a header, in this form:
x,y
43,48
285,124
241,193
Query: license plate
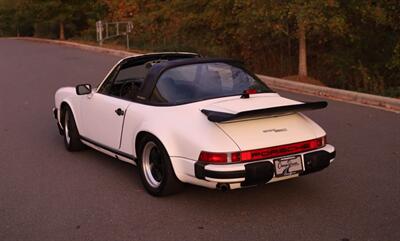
x,y
288,166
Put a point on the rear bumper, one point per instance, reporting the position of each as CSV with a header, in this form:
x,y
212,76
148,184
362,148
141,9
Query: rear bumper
x,y
258,172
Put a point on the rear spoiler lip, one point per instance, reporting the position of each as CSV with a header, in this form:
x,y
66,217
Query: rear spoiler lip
x,y
216,116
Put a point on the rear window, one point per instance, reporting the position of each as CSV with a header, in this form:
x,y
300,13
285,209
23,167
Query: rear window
x,y
190,83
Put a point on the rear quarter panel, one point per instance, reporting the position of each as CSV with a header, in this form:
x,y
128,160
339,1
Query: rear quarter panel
x,y
183,130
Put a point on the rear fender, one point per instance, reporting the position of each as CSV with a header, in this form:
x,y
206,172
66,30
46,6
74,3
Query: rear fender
x,y
170,143
187,142
163,136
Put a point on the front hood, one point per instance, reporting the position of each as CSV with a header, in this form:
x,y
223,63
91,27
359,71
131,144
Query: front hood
x,y
265,131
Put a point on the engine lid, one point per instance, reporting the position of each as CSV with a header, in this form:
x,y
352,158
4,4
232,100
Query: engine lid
x,y
265,128
273,131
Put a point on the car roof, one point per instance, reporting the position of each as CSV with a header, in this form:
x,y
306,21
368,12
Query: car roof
x,y
159,55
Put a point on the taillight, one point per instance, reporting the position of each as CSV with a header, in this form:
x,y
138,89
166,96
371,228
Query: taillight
x,y
283,150
265,153
235,157
213,157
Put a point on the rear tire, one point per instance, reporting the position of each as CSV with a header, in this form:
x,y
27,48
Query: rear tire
x,y
155,168
72,139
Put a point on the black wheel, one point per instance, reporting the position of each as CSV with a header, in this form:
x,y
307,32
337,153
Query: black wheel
x,y
71,135
157,174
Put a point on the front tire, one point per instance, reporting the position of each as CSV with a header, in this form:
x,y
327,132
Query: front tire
x,y
155,169
72,139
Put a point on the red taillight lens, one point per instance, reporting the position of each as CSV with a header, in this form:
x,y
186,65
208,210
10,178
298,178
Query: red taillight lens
x,y
283,150
213,157
265,153
235,157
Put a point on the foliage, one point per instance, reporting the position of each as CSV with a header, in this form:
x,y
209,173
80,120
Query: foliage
x,y
351,44
42,18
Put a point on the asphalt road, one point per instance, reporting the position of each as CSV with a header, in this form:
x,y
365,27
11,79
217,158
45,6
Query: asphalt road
x,y
47,193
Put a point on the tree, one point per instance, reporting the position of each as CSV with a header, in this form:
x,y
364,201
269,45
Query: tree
x,y
314,17
350,44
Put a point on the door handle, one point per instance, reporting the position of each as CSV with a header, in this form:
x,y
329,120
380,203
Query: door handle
x,y
119,111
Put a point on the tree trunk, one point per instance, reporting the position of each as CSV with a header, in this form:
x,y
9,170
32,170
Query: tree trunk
x,y
62,35
35,30
302,51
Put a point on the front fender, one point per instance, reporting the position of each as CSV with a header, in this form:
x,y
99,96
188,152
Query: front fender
x,y
67,95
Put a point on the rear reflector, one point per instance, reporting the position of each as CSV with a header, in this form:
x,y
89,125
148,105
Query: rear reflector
x,y
265,153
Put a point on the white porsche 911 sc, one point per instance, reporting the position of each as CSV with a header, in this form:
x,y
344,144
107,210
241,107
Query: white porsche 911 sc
x,y
183,118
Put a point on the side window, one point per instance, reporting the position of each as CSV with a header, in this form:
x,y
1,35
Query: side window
x,y
125,81
106,86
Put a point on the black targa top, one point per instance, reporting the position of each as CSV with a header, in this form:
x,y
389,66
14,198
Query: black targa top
x,y
156,71
165,61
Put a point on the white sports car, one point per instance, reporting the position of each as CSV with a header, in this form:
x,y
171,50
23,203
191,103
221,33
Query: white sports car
x,y
183,118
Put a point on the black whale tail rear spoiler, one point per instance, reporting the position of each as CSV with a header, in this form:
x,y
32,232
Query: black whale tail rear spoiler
x,y
216,116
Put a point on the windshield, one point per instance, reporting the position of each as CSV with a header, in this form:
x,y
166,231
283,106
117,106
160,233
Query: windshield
x,y
195,82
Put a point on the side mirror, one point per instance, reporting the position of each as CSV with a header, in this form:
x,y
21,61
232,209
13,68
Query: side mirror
x,y
83,89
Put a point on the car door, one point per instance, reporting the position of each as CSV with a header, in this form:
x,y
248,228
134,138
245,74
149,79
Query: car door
x,y
103,118
103,111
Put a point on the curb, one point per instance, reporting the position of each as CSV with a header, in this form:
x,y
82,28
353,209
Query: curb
x,y
116,52
375,101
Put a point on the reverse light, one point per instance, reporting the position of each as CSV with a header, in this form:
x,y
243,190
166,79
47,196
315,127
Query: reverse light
x,y
264,153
